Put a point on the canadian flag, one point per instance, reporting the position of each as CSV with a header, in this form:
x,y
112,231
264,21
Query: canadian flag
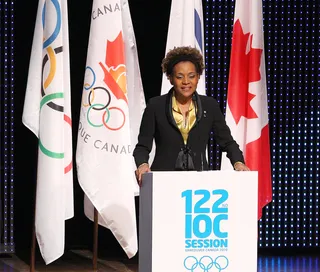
x,y
247,104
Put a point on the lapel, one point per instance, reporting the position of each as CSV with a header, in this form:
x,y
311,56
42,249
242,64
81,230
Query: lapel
x,y
169,109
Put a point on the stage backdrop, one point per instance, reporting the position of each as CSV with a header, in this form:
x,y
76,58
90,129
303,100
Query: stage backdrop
x,y
292,53
293,82
6,126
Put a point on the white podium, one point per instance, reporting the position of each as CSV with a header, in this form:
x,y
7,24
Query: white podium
x,y
198,222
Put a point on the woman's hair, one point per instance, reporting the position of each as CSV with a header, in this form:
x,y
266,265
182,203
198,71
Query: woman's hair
x,y
182,53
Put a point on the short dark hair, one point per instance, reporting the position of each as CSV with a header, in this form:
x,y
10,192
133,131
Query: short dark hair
x,y
182,53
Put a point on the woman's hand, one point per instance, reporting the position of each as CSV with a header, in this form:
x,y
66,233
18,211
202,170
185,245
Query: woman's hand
x,y
239,166
143,168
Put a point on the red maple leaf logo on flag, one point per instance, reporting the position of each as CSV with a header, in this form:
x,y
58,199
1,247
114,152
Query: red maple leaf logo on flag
x,y
244,68
115,76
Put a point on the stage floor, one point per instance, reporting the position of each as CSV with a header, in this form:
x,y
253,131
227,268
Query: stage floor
x,y
80,260
74,260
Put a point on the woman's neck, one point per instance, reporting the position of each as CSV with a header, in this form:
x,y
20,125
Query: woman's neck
x,y
184,101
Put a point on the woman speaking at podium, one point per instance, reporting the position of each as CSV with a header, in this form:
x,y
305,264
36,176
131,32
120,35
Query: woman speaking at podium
x,y
181,121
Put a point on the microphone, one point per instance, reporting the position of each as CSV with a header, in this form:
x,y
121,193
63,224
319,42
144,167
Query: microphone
x,y
202,162
184,160
194,99
201,166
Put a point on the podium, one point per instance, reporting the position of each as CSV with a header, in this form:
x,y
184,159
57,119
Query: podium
x,y
198,221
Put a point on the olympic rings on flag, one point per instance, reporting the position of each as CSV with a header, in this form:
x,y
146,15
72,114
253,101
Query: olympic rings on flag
x,y
104,118
48,99
93,81
123,115
99,88
55,155
90,95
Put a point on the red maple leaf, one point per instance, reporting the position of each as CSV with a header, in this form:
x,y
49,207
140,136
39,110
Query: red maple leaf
x,y
244,68
114,58
115,52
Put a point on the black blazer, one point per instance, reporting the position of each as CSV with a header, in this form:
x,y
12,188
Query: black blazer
x,y
171,153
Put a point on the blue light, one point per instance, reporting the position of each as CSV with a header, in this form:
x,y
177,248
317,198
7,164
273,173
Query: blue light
x,y
7,123
292,50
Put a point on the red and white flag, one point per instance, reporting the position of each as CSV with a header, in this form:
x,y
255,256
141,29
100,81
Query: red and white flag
x,y
247,103
112,106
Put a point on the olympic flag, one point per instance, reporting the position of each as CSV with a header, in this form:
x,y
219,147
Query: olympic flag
x,y
47,113
185,29
112,106
247,103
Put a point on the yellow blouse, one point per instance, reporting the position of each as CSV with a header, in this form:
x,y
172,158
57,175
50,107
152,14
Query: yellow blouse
x,y
184,124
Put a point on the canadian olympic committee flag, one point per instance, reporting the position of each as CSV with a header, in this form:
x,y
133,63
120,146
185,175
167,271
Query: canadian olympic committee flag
x,y
47,113
185,29
247,104
112,106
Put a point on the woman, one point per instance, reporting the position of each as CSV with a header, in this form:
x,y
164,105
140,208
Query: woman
x,y
180,122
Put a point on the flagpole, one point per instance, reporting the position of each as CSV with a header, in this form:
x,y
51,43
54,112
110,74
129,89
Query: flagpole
x,y
33,243
95,241
33,235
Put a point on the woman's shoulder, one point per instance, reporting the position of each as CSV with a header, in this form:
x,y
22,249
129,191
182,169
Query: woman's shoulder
x,y
208,99
210,104
157,100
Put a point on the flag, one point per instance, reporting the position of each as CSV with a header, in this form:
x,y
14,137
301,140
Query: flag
x,y
247,103
47,113
112,106
185,29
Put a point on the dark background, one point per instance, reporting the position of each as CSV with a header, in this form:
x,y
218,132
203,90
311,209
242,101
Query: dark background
x,y
292,48
150,20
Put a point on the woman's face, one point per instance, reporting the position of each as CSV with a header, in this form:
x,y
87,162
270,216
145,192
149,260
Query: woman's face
x,y
184,79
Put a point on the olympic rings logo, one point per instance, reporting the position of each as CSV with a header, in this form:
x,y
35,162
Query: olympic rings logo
x,y
48,99
206,263
106,115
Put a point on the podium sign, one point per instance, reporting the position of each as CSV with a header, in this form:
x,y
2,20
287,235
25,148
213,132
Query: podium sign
x,y
198,222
